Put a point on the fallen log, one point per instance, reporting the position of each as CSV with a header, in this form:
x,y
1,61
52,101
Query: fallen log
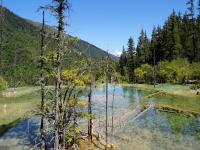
x,y
170,109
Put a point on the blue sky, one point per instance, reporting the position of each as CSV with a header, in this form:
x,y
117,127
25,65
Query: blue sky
x,y
105,23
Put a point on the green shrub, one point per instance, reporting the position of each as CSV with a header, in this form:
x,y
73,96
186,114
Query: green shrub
x,y
195,71
176,71
139,74
144,74
165,72
3,84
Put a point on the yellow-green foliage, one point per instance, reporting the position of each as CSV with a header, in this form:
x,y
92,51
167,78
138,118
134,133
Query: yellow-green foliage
x,y
74,76
3,84
176,71
181,68
117,77
144,73
139,74
195,71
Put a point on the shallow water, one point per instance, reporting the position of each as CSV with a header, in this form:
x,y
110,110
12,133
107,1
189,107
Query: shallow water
x,y
21,136
157,130
153,130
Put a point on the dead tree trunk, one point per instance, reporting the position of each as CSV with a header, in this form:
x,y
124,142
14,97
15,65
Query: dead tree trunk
x,y
90,111
113,109
90,100
42,81
106,113
60,8
107,69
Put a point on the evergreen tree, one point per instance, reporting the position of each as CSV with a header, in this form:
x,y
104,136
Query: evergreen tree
x,y
197,58
186,38
143,52
190,4
178,38
198,32
131,59
155,46
123,62
171,44
198,8
192,32
176,31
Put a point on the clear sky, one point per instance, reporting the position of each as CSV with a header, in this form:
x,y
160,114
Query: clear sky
x,y
105,23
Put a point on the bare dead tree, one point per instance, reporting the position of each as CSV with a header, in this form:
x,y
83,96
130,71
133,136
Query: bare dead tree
x,y
89,99
113,99
42,80
90,111
107,80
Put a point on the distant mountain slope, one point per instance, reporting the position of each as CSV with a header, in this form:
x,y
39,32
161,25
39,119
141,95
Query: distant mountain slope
x,y
21,45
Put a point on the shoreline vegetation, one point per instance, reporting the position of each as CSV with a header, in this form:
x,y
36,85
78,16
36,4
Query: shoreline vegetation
x,y
172,98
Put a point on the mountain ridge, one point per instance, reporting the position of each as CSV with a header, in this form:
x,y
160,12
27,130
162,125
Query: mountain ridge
x,y
21,46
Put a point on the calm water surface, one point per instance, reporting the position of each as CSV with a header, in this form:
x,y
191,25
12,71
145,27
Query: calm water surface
x,y
153,130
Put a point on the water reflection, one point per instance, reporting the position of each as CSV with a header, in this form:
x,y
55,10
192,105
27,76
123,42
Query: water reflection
x,y
153,130
22,135
158,130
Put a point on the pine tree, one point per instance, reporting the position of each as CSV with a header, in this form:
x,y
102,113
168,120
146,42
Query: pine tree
x,y
192,32
143,51
155,46
186,38
198,8
175,26
131,59
190,4
123,61
171,43
198,33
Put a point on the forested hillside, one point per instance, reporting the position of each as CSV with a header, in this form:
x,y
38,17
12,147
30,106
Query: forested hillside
x,y
21,47
175,43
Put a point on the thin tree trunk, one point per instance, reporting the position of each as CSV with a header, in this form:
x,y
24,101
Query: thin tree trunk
x,y
42,79
90,112
106,112
14,66
74,112
107,103
154,63
90,101
59,38
113,109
